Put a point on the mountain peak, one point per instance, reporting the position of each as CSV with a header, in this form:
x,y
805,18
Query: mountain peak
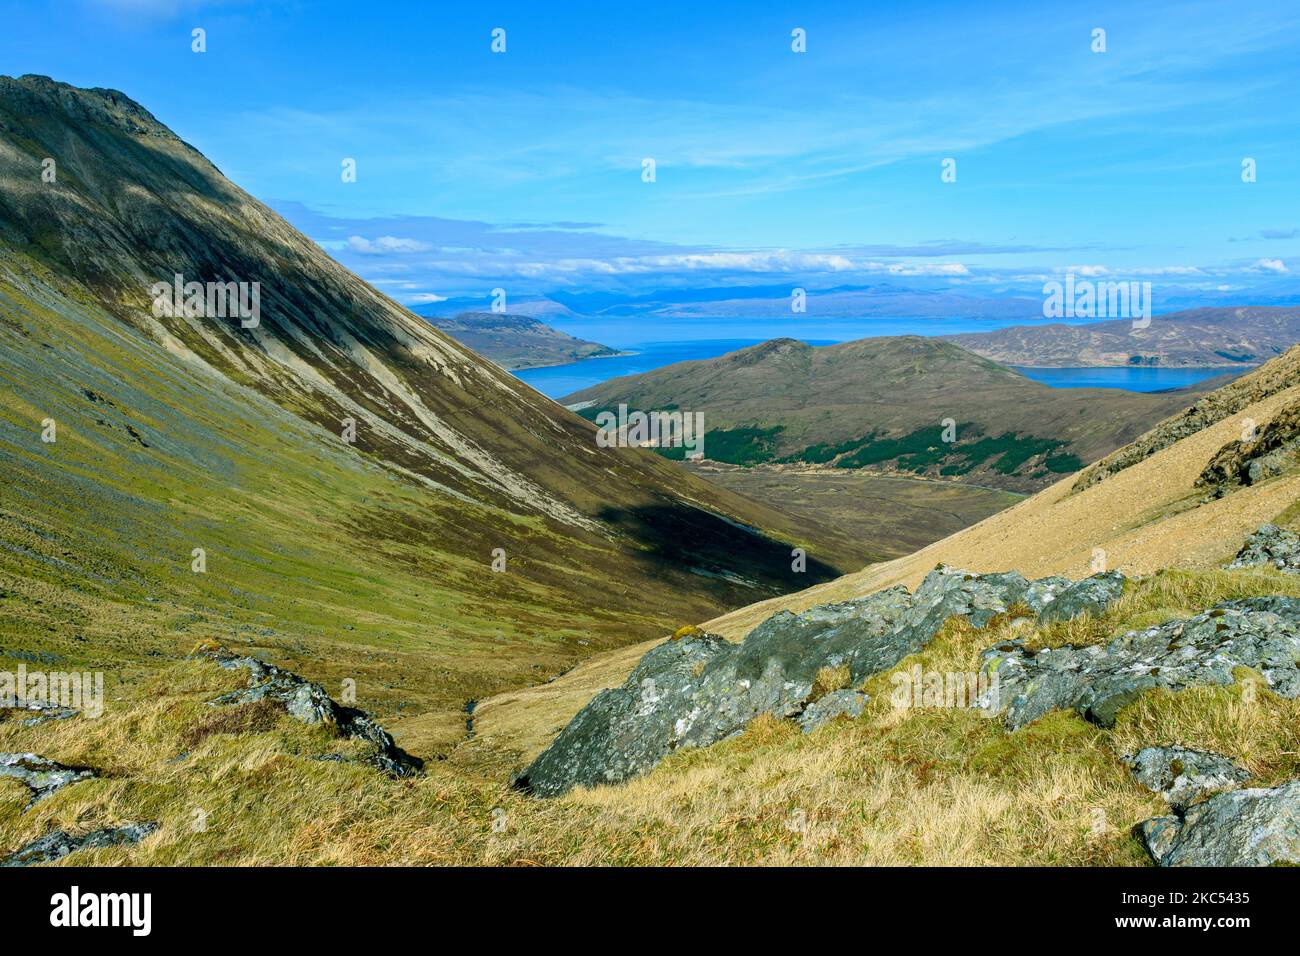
x,y
45,96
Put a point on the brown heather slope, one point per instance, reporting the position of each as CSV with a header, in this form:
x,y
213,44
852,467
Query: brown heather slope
x,y
1147,516
369,560
1214,337
880,403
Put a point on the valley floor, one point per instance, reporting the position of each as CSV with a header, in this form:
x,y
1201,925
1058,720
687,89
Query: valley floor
x,y
885,516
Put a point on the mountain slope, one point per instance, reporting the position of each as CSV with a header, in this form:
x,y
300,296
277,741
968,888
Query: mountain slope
x,y
881,403
518,341
1154,512
1226,337
370,558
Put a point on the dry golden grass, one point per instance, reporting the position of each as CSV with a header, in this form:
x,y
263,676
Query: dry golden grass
x,y
938,786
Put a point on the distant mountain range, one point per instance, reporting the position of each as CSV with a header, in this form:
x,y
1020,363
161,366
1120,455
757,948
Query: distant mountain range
x,y
518,341
1228,337
882,404
860,301
918,297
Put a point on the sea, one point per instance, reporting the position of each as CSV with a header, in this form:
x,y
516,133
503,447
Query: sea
x,y
682,340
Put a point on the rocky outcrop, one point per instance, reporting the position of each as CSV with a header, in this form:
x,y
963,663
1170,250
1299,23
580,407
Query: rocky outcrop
x,y
55,846
1257,827
1270,545
1274,449
310,704
1182,775
1222,403
31,713
1063,599
1260,633
699,689
838,703
42,776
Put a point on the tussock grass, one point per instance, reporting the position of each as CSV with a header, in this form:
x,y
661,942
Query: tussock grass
x,y
937,786
1164,596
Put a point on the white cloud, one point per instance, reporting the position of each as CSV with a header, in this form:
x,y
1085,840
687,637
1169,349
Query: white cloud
x,y
927,269
386,245
1270,265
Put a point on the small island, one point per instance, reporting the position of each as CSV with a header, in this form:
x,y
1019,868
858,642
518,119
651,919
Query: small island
x,y
519,341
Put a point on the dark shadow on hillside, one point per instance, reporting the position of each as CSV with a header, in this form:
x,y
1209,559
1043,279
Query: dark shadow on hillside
x,y
694,543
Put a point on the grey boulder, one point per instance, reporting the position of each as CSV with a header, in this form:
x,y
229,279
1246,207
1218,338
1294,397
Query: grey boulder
x,y
41,775
1261,633
55,846
1270,545
1256,827
699,690
1089,596
1183,775
838,703
309,703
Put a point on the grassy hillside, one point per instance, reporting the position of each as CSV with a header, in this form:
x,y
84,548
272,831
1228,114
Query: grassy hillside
x,y
934,787
372,562
1218,337
882,403
369,559
1142,519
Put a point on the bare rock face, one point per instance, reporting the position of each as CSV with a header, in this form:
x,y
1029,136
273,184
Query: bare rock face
x,y
699,690
1270,545
1257,827
55,846
1261,633
308,702
42,776
838,703
1183,775
1272,451
30,713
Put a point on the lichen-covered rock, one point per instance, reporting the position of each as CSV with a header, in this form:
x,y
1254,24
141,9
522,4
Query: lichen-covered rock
x,y
55,846
1275,449
1089,596
1270,545
310,704
700,689
1260,633
30,713
42,776
1256,827
1183,775
838,703
1159,835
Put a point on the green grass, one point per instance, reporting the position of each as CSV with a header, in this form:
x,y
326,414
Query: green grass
x,y
924,450
734,446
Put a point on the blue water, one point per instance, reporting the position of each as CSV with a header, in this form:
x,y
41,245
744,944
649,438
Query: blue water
x,y
661,341
556,381
1130,379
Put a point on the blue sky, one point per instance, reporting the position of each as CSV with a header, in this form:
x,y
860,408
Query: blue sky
x,y
523,169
